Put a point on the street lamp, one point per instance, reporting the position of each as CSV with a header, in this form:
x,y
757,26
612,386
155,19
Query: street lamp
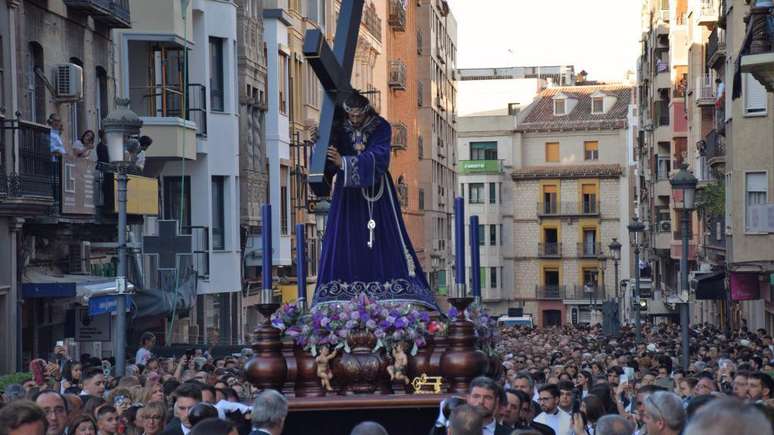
x,y
321,209
615,253
635,229
121,127
684,189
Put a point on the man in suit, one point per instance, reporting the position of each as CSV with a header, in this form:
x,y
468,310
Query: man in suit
x,y
484,394
187,396
269,413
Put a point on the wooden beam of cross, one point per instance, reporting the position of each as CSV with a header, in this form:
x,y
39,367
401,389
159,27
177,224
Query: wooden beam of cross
x,y
168,245
334,69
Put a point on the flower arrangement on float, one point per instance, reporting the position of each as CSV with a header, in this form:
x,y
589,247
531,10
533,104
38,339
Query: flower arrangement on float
x,y
484,325
331,324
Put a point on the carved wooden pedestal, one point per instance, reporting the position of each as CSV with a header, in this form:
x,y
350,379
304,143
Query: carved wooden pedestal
x,y
462,362
268,369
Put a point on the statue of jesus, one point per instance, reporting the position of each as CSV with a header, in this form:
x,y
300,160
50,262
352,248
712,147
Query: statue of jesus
x,y
366,247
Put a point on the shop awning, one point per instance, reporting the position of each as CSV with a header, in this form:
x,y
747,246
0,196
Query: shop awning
x,y
711,286
43,283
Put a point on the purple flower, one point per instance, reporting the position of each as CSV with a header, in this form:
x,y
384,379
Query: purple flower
x,y
453,313
401,323
371,324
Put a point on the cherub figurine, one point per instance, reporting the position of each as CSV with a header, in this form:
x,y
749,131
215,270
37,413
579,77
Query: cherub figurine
x,y
323,367
397,370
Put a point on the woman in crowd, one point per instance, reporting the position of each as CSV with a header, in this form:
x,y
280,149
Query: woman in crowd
x,y
83,425
71,375
153,418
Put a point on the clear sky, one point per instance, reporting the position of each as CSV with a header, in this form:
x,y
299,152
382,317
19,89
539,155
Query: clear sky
x,y
600,36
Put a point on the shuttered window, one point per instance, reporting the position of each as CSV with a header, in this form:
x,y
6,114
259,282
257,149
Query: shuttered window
x,y
591,150
754,96
756,185
552,152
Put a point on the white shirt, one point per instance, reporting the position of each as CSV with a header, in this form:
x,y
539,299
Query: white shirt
x,y
186,430
490,428
142,357
560,421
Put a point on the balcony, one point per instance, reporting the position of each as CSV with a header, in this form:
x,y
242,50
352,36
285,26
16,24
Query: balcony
x,y
399,136
759,61
716,49
466,167
550,250
372,22
713,150
589,250
550,292
397,79
705,90
397,18
37,176
113,13
707,13
720,120
586,293
172,128
554,209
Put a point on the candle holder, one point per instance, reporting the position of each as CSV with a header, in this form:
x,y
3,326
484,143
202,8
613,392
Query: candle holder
x,y
268,369
462,361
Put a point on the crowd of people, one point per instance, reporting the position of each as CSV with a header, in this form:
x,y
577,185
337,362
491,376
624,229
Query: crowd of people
x,y
561,380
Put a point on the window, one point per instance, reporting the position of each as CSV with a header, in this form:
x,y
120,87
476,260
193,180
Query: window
x,y
481,235
2,76
492,277
754,96
552,152
420,147
597,105
589,242
501,234
173,209
560,106
664,167
483,151
493,193
757,185
101,99
591,150
36,88
550,195
492,235
218,213
476,193
284,199
283,77
421,199
591,278
589,193
216,74
77,123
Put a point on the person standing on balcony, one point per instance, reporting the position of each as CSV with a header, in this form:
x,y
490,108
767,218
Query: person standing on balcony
x,y
56,145
102,150
84,147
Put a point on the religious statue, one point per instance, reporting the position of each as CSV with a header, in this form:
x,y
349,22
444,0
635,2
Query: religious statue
x,y
397,370
323,367
366,247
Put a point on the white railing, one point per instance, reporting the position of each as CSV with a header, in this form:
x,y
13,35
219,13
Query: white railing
x,y
709,8
705,87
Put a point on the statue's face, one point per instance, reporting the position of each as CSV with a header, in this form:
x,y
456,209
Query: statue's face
x,y
356,119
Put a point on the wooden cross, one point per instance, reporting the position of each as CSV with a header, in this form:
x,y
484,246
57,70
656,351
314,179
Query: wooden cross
x,y
167,245
334,69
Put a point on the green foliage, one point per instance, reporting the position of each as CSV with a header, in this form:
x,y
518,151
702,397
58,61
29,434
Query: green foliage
x,y
711,199
13,378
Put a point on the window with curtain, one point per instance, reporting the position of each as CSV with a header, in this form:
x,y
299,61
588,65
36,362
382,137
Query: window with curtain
x,y
591,150
552,152
218,213
476,193
216,74
483,151
757,189
559,106
589,242
597,105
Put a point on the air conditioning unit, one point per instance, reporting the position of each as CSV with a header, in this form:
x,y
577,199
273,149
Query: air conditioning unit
x,y
665,226
80,258
68,82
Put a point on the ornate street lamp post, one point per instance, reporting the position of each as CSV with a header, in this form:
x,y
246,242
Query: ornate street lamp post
x,y
121,129
636,228
685,183
615,253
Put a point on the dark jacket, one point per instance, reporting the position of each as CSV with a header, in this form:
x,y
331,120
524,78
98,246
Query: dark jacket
x,y
502,430
173,427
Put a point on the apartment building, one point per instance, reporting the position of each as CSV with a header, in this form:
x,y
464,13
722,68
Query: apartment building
x,y
406,42
437,134
664,146
189,105
728,130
